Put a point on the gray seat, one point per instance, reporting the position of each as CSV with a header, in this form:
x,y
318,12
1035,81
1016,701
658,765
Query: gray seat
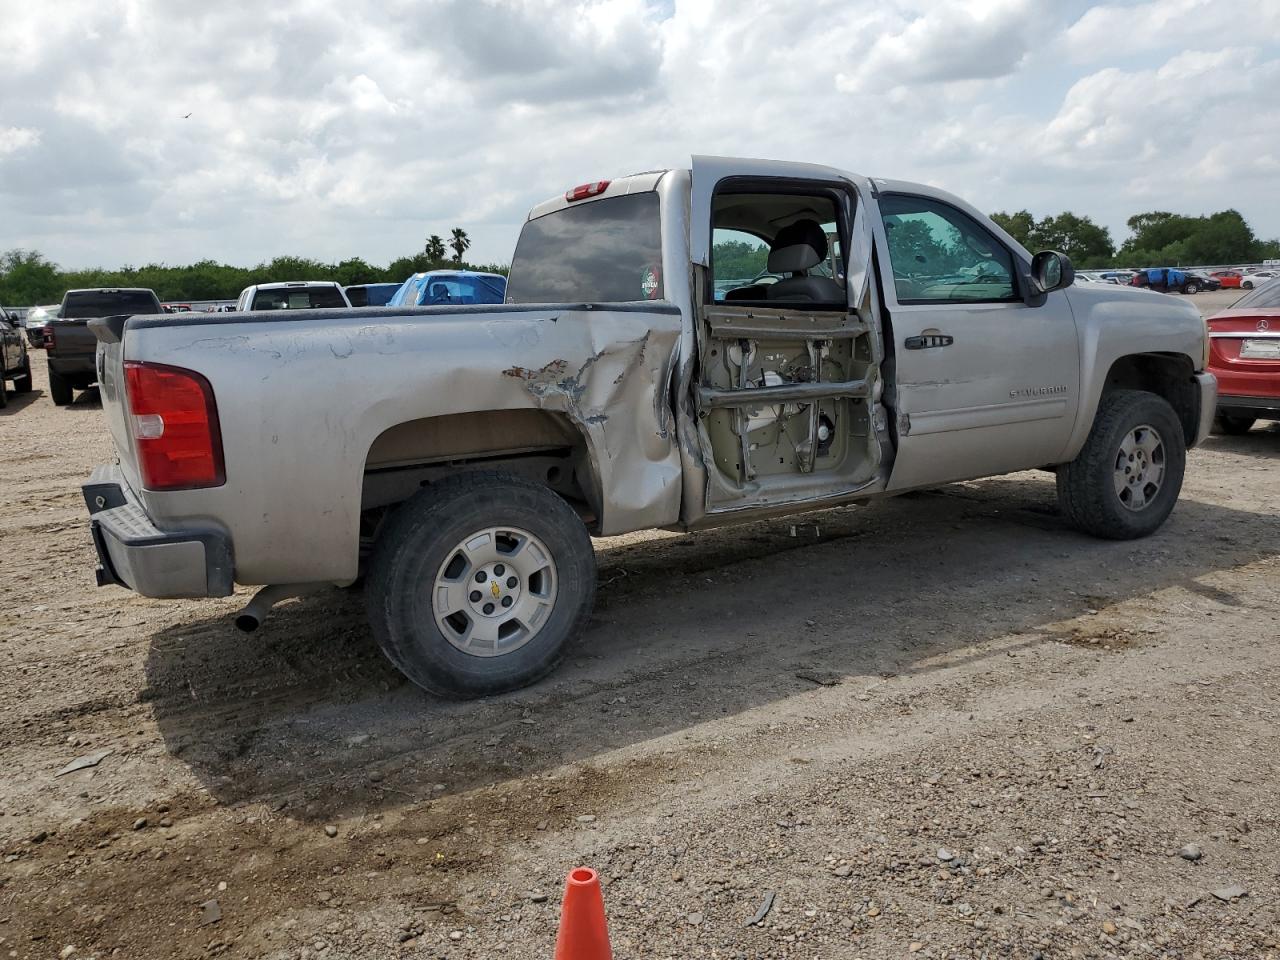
x,y
798,248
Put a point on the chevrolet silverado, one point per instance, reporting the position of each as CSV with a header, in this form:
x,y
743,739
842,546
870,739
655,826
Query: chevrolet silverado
x,y
888,337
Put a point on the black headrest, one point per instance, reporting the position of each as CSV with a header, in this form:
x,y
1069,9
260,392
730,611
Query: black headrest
x,y
807,232
797,246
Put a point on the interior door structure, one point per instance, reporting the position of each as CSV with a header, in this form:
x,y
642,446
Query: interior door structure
x,y
787,392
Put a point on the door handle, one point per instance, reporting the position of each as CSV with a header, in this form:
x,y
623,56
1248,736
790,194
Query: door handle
x,y
927,341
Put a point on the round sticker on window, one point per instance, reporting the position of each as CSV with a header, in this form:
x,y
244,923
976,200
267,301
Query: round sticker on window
x,y
651,282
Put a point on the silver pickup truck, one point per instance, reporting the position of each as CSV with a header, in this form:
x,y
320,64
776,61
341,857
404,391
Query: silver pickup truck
x,y
679,349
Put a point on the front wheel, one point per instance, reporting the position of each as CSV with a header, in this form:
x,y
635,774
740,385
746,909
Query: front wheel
x,y
1126,479
1191,288
1247,285
478,584
1233,425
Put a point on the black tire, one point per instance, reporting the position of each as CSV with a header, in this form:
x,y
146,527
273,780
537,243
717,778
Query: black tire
x,y
1086,485
415,544
1247,285
1191,288
1234,425
4,391
59,389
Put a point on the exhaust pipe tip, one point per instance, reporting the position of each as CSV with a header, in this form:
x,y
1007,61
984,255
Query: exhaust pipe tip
x,y
256,610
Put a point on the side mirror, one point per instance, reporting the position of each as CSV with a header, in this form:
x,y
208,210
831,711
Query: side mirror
x,y
1051,270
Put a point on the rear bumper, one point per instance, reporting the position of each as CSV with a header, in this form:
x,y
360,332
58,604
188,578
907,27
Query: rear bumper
x,y
1254,406
1208,385
80,369
134,553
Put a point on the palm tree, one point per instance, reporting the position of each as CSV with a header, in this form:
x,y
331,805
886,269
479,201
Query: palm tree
x,y
435,248
459,243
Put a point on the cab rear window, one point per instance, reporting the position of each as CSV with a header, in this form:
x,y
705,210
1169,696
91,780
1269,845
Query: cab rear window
x,y
108,303
600,251
295,298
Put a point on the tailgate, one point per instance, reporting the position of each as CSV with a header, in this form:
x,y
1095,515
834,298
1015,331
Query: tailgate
x,y
72,338
108,334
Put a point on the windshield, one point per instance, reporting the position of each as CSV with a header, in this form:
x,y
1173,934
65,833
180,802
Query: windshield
x,y
86,304
1266,295
433,289
602,251
298,298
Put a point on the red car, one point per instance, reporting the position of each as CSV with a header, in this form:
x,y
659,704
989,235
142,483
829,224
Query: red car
x,y
1244,354
1229,278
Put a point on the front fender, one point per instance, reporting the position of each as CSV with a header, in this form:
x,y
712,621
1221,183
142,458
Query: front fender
x,y
1121,323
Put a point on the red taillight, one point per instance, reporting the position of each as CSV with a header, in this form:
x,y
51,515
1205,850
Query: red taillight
x,y
174,423
584,190
46,336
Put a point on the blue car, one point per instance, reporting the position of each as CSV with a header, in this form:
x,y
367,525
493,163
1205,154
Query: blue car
x,y
450,287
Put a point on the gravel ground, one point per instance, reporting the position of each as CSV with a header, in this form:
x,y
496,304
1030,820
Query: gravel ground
x,y
940,726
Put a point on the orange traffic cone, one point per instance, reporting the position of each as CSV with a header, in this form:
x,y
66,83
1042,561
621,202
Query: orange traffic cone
x,y
584,934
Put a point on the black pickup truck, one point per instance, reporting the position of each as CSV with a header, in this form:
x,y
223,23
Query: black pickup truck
x,y
69,344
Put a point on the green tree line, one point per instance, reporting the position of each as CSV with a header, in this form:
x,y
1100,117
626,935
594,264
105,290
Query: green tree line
x,y
28,278
1157,239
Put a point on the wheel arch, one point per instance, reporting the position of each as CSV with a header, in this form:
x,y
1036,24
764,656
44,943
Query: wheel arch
x,y
541,445
1170,375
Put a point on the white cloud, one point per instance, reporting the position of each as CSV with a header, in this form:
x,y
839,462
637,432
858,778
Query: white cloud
x,y
1110,30
977,40
13,139
357,128
1126,122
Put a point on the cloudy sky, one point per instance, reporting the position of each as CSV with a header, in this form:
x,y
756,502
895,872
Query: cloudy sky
x,y
355,128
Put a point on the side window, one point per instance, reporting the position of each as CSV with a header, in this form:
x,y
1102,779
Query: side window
x,y
941,255
777,246
738,259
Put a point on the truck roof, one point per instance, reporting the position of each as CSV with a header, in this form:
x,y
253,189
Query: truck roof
x,y
648,180
109,290
280,284
445,272
633,183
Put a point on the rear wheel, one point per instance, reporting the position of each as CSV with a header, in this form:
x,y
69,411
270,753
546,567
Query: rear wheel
x,y
1247,285
478,583
22,382
1191,288
1127,478
59,389
1234,425
4,391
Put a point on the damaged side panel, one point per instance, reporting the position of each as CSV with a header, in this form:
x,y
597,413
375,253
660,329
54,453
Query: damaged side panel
x,y
295,457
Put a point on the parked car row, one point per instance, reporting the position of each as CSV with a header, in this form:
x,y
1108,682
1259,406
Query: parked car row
x,y
1184,280
1173,280
62,329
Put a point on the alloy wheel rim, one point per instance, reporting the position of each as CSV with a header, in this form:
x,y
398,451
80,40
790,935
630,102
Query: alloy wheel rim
x,y
1139,467
495,591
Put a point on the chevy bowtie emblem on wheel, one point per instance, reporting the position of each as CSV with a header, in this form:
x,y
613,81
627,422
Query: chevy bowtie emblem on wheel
x,y
1264,324
495,589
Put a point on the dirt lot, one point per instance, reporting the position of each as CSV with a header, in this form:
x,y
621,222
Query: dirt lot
x,y
942,726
